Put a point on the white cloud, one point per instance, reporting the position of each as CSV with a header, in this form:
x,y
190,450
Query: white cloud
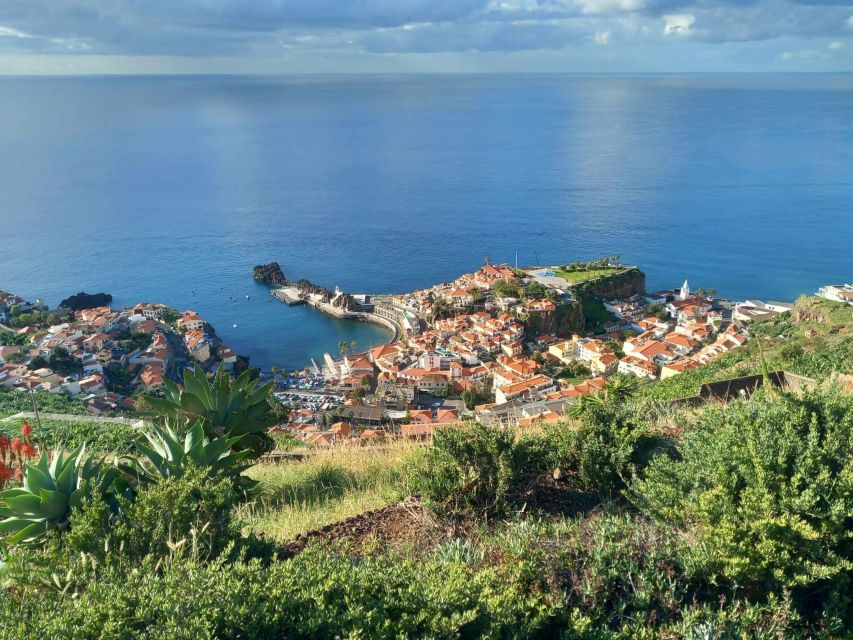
x,y
678,24
9,32
835,46
610,6
602,37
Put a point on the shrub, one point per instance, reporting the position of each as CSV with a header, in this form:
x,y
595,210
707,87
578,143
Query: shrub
x,y
471,468
605,448
769,483
192,510
316,595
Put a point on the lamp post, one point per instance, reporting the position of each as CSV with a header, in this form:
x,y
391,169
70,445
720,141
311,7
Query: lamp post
x,y
35,407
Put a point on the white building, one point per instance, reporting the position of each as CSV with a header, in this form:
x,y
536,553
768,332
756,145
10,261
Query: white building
x,y
837,293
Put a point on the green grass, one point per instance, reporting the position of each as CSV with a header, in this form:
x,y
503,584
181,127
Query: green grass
x,y
595,313
101,437
333,484
573,277
12,402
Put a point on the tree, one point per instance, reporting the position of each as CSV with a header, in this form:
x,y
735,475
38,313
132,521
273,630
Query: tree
x,y
64,363
353,345
39,362
16,358
343,348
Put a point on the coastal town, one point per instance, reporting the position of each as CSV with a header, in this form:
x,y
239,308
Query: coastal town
x,y
508,345
101,356
498,345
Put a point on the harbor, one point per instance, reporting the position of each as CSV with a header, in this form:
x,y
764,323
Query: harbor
x,y
288,295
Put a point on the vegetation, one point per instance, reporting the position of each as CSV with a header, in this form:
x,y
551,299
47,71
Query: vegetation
x,y
12,402
595,314
599,526
225,407
101,437
328,486
581,271
573,276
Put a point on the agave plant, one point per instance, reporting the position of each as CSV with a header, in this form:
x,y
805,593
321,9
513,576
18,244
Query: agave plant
x,y
226,407
169,454
50,492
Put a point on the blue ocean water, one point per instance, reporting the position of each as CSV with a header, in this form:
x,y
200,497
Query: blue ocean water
x,y
151,188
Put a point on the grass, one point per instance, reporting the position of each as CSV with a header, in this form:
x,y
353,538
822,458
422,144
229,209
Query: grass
x,y
595,313
573,277
331,485
98,437
12,402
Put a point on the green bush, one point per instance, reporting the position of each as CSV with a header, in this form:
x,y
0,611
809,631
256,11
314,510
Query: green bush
x,y
194,510
603,450
769,484
471,468
12,402
316,595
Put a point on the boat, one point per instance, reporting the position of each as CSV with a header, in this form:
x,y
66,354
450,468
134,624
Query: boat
x,y
235,325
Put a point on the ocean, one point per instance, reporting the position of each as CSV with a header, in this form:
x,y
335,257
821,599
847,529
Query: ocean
x,y
171,189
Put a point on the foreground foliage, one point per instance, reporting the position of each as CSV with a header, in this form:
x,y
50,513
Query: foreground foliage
x,y
768,486
741,529
225,407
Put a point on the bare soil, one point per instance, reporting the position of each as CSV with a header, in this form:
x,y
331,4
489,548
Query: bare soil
x,y
407,524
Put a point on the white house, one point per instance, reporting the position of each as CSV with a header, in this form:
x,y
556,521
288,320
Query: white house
x,y
837,293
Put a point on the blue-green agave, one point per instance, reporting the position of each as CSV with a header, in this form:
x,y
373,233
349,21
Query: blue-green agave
x,y
226,407
50,491
168,454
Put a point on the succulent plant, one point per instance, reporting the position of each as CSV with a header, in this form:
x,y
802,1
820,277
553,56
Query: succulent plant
x,y
170,454
49,493
233,408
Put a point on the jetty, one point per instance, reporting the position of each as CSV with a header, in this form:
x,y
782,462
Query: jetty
x,y
288,295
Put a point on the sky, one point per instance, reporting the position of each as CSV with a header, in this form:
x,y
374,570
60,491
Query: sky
x,y
384,36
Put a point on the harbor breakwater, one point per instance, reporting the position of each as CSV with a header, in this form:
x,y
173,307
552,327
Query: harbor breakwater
x,y
335,302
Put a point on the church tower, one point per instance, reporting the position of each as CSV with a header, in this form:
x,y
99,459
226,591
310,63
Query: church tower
x,y
685,291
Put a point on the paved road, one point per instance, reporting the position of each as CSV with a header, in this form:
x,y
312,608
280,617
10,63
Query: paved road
x,y
72,417
182,355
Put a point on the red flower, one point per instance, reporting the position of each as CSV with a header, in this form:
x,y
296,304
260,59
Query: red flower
x,y
26,430
28,450
6,473
4,443
16,445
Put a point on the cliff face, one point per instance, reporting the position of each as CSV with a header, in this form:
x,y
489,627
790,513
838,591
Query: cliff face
x,y
84,300
565,320
270,274
621,285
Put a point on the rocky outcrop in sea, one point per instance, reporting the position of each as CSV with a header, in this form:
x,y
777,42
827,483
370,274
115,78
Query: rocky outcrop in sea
x,y
85,300
270,274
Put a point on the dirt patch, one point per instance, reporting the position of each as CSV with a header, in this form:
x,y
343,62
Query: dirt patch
x,y
550,497
408,524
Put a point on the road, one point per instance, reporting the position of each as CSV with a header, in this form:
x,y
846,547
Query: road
x,y
182,355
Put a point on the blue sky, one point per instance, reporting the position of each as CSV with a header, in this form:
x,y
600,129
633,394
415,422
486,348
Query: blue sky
x,y
280,36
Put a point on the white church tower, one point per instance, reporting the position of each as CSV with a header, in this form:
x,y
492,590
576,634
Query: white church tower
x,y
685,291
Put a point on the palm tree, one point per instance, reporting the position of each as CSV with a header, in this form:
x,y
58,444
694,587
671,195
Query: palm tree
x,y
343,347
353,346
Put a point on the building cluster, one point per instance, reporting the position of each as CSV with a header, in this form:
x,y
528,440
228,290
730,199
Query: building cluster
x,y
99,349
9,301
478,341
837,293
